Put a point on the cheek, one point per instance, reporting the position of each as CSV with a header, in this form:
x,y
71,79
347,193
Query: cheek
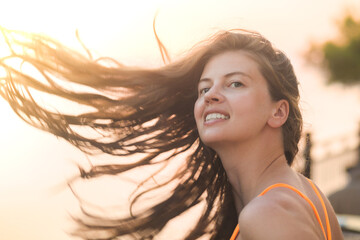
x,y
198,110
250,105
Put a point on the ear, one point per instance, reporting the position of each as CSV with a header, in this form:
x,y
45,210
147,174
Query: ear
x,y
279,114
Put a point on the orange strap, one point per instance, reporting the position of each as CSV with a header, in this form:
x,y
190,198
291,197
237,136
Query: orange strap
x,y
328,229
236,231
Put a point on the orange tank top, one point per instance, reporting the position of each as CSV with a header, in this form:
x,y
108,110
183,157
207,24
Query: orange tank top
x,y
327,235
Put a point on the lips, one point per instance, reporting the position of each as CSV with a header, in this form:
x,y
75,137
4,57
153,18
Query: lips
x,y
215,115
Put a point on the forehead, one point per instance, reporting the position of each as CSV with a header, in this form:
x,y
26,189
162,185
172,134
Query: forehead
x,y
231,61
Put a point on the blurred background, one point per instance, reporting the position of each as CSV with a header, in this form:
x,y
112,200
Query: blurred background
x,y
322,38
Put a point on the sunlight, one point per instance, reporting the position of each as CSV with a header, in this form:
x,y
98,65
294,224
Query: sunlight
x,y
2,76
60,19
32,161
4,51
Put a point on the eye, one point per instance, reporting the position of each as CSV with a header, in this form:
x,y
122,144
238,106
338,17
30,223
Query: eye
x,y
203,91
236,84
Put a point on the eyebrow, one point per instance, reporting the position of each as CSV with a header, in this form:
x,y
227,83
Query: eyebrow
x,y
226,76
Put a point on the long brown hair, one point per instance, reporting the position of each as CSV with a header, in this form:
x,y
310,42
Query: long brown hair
x,y
149,111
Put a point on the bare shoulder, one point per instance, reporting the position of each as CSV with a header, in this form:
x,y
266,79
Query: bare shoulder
x,y
279,215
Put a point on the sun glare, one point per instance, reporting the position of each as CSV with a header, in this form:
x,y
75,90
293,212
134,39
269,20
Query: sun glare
x,y
32,160
60,19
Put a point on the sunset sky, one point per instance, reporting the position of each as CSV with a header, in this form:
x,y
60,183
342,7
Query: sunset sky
x,y
34,164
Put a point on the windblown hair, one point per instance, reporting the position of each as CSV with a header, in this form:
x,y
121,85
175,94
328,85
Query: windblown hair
x,y
147,111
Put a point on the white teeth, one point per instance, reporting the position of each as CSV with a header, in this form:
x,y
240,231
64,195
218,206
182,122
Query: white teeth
x,y
212,116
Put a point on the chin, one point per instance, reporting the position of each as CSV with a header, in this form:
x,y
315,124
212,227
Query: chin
x,y
211,142
213,138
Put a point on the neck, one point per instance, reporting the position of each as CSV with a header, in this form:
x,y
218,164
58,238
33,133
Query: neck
x,y
252,166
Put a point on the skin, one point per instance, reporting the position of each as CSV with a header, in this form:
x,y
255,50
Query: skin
x,y
249,142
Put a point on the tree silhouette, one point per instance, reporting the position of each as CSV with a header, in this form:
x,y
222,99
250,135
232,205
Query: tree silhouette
x,y
341,57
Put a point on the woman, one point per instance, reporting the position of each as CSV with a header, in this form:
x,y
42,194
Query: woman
x,y
230,105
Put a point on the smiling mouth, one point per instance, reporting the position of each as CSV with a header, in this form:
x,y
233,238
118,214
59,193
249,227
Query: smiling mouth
x,y
214,116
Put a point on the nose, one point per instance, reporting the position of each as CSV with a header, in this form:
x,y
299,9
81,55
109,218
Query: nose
x,y
213,96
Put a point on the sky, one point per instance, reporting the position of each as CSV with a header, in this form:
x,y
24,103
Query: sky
x,y
34,200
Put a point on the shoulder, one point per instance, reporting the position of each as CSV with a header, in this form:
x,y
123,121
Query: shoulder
x,y
280,215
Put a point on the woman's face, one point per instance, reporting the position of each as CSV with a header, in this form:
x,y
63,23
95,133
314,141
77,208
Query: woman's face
x,y
234,103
